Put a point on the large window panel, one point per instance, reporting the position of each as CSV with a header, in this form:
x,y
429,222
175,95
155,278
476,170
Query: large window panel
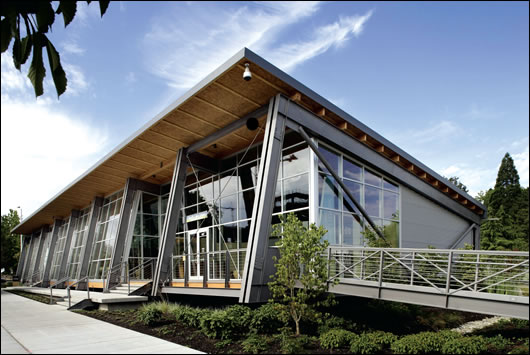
x,y
390,205
371,199
355,189
331,221
295,160
328,192
296,192
352,230
332,159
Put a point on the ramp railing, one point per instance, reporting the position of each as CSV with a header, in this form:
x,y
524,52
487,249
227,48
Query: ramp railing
x,y
445,271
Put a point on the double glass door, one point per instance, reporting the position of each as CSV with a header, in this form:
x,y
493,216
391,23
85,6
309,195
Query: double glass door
x,y
198,246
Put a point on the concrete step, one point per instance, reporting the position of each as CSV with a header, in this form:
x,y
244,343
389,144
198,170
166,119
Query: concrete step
x,y
65,302
121,292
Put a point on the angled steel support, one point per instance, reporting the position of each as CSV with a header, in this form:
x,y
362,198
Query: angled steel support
x,y
43,231
167,239
130,227
89,237
123,223
339,181
254,279
22,258
231,127
69,232
27,262
51,250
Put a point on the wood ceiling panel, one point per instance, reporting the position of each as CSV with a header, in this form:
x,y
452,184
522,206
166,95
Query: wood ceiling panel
x,y
111,168
226,100
163,140
141,155
256,90
108,176
133,162
208,113
151,148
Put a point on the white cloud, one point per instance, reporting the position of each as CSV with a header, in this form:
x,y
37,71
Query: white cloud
x,y
475,178
73,48
441,131
288,56
43,148
76,79
522,161
183,49
130,78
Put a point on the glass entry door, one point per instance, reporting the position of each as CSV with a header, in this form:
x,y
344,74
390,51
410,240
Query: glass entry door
x,y
198,247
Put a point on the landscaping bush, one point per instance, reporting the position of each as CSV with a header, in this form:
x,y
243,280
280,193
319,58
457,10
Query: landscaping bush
x,y
424,342
292,344
149,314
465,345
254,344
189,315
240,318
332,322
265,319
336,338
216,324
373,342
498,344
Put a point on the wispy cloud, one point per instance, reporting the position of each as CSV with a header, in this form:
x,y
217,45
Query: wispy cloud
x,y
522,162
475,178
183,49
441,131
73,47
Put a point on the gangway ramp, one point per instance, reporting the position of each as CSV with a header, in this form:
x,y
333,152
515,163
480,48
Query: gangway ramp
x,y
489,282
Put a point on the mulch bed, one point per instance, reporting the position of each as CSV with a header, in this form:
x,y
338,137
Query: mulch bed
x,y
34,296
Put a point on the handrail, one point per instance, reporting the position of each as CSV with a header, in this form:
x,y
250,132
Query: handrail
x,y
64,279
129,273
29,281
110,272
75,283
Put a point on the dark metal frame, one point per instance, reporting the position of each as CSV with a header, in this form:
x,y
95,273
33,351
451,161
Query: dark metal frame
x,y
89,239
68,242
46,275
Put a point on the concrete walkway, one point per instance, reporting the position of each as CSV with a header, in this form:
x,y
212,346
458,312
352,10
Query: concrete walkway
x,y
32,327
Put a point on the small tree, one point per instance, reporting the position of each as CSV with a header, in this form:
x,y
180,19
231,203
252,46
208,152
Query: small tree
x,y
301,260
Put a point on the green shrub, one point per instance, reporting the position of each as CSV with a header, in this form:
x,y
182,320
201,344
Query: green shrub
x,y
291,344
189,315
216,324
265,319
336,338
372,342
254,344
423,343
519,323
149,314
466,345
498,344
333,322
240,318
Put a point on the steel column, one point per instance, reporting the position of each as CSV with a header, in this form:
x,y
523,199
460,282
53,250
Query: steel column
x,y
22,257
167,239
27,263
253,279
123,224
68,242
39,250
53,241
89,238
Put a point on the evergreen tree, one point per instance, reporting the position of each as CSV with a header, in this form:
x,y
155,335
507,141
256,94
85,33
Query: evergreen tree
x,y
10,242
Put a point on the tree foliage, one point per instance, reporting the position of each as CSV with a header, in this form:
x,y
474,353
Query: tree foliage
x,y
301,261
10,242
507,225
37,18
456,181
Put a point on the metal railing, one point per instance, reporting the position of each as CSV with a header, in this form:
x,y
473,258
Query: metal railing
x,y
114,276
444,271
216,265
64,279
31,279
144,271
75,283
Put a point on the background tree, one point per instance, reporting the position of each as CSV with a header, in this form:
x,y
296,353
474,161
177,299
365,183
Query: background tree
x,y
10,248
37,18
301,259
456,181
507,225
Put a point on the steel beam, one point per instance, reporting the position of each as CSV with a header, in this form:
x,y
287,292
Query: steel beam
x,y
39,250
27,263
22,257
89,238
253,281
51,250
167,239
204,163
123,223
299,116
472,227
231,127
66,252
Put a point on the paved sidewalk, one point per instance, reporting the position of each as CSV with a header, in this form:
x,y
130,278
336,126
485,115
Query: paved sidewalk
x,y
32,327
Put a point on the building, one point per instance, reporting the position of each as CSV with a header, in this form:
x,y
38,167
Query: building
x,y
188,200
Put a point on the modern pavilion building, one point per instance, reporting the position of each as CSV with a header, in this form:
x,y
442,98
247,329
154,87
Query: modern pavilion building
x,y
188,201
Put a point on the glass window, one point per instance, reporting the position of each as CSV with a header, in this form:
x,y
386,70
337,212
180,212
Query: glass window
x,y
244,230
390,186
150,203
371,199
295,192
328,193
391,232
228,209
352,230
355,189
331,221
246,204
390,205
229,183
295,160
352,170
371,178
331,158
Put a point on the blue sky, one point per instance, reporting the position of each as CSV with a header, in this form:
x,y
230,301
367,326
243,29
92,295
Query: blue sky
x,y
447,82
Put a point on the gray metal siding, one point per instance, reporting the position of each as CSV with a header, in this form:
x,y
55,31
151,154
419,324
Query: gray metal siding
x,y
425,223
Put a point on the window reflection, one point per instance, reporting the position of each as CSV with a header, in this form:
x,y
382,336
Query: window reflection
x,y
328,192
296,192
